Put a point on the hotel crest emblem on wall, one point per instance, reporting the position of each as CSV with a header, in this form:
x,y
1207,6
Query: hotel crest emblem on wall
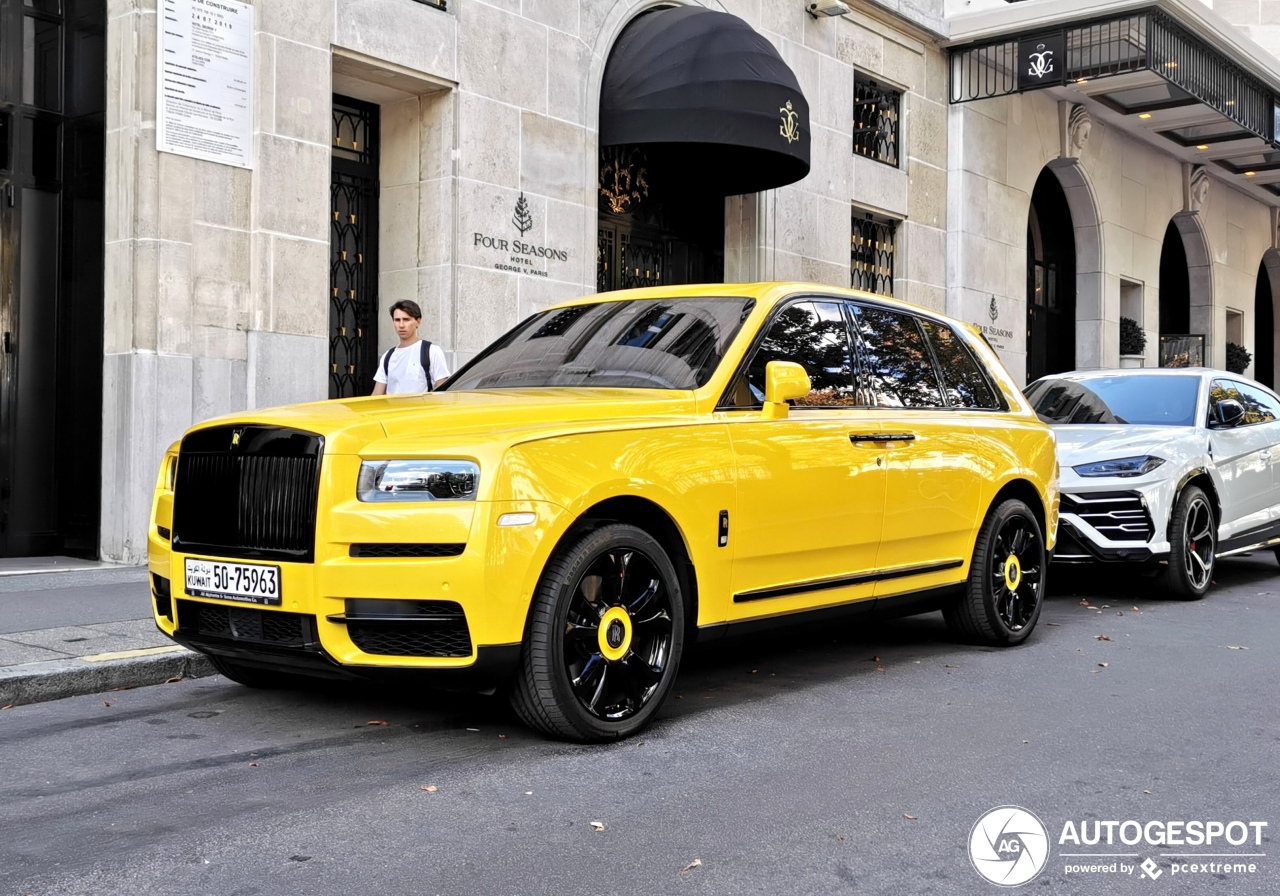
x,y
1041,62
789,127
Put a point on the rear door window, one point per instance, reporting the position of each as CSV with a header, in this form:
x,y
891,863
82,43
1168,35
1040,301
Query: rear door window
x,y
896,366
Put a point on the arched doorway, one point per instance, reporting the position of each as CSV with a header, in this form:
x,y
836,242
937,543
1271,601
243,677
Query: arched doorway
x,y
1186,294
1051,280
1265,336
695,105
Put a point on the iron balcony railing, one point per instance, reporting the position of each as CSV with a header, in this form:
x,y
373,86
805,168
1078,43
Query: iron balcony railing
x,y
1149,40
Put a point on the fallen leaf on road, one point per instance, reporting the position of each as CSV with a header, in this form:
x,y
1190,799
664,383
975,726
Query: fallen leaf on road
x,y
597,825
697,863
908,817
473,729
174,680
1084,603
1234,647
1053,623
1103,665
105,703
502,737
430,788
1146,791
8,706
879,668
1136,610
841,837
299,858
874,659
253,765
951,666
376,722
1104,637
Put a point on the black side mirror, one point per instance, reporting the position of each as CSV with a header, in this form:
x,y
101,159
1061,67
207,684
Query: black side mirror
x,y
1227,413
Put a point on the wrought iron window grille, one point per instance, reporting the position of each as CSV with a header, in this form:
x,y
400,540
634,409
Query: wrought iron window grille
x,y
871,253
876,116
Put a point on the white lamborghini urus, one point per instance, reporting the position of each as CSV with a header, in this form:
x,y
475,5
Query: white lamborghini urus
x,y
1169,466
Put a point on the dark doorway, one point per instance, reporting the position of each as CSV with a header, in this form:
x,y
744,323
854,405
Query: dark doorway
x,y
1264,327
656,224
52,138
353,248
1175,284
1051,280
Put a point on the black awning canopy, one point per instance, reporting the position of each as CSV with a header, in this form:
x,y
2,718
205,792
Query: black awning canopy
x,y
705,88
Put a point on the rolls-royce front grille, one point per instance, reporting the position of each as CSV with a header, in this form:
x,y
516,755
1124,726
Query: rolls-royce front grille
x,y
249,492
1119,516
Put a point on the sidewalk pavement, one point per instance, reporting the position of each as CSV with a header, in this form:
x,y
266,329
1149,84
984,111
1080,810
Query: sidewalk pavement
x,y
70,627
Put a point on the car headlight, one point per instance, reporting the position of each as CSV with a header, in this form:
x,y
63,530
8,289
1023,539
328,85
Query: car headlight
x,y
418,480
1121,466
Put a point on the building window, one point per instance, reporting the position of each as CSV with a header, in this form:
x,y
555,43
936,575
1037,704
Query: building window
x,y
871,253
876,112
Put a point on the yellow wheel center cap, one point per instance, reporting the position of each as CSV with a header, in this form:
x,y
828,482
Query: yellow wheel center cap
x,y
1012,572
615,634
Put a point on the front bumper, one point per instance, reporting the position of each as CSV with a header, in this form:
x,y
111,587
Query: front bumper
x,y
361,610
1108,525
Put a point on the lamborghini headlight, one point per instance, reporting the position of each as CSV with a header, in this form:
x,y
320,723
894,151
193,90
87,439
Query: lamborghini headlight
x,y
1122,467
418,480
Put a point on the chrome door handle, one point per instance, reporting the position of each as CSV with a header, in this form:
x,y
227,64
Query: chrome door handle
x,y
856,437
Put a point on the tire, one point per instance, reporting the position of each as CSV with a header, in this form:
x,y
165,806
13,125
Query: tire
x,y
605,636
1193,543
251,676
1010,547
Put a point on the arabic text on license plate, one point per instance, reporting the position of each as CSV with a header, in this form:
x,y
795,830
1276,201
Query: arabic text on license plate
x,y
246,582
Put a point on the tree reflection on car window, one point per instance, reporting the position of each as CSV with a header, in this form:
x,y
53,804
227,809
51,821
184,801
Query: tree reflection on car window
x,y
966,384
813,335
1259,407
896,363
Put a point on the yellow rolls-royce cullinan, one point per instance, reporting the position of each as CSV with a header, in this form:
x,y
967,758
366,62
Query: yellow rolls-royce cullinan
x,y
610,479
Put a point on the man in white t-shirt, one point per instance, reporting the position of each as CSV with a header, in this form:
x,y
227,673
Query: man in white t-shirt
x,y
401,370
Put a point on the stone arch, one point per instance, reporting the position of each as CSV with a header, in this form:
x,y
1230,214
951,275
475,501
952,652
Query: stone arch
x,y
1097,334
1265,314
1185,253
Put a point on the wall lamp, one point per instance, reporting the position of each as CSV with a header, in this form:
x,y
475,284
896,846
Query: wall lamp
x,y
826,8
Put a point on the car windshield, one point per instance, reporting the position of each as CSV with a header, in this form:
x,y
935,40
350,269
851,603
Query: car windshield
x,y
642,343
1143,400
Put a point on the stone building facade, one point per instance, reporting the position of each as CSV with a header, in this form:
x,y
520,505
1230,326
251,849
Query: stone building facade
x,y
452,151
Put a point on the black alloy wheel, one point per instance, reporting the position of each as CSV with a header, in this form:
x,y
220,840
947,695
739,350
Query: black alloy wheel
x,y
1005,591
605,637
1193,545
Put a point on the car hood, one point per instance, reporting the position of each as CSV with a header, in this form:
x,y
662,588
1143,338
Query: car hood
x,y
428,423
1085,443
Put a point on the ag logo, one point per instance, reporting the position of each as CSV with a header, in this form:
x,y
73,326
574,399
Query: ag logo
x,y
1008,846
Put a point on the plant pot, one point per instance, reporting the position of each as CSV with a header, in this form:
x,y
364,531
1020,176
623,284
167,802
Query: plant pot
x,y
1132,360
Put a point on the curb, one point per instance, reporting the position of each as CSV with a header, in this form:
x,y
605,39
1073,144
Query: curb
x,y
57,679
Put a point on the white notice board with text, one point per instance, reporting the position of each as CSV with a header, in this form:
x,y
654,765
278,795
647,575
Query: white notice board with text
x,y
204,95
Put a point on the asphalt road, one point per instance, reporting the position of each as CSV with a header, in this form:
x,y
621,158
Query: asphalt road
x,y
832,760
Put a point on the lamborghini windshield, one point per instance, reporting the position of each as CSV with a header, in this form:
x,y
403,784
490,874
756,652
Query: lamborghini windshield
x,y
1138,399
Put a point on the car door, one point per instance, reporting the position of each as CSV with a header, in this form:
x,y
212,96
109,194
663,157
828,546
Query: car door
x,y
935,475
1244,455
809,501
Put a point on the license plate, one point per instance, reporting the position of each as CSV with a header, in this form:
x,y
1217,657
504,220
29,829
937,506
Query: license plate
x,y
245,582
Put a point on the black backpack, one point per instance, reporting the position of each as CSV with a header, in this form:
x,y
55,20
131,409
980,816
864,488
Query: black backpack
x,y
425,361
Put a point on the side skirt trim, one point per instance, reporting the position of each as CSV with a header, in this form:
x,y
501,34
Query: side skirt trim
x,y
845,581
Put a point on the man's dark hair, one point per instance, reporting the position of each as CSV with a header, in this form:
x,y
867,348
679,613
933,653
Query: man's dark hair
x,y
409,307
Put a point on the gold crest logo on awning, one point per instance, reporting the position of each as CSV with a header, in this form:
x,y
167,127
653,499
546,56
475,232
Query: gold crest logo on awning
x,y
789,127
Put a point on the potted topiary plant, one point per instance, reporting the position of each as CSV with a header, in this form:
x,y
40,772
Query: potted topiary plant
x,y
1133,343
1238,357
